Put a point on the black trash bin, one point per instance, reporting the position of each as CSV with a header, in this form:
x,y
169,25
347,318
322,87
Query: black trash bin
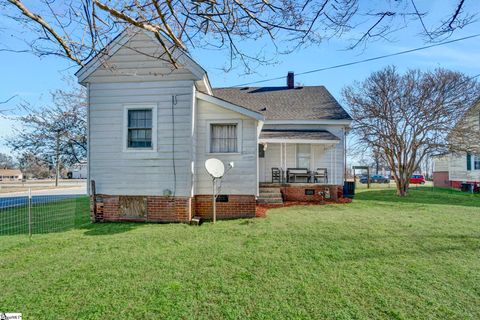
x,y
466,187
349,189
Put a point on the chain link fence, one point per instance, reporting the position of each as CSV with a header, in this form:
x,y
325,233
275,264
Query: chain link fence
x,y
30,214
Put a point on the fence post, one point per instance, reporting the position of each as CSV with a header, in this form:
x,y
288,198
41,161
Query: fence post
x,y
30,212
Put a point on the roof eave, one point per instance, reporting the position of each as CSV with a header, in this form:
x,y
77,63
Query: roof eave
x,y
303,141
343,122
230,106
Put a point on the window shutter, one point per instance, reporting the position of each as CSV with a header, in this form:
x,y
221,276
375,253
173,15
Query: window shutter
x,y
469,162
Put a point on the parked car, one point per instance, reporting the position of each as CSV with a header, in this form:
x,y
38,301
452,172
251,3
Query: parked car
x,y
377,178
417,179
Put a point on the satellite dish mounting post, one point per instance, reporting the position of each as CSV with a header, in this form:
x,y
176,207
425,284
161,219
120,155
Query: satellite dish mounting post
x,y
216,170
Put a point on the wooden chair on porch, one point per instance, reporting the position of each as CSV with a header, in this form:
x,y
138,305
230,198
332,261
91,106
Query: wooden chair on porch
x,y
277,175
321,173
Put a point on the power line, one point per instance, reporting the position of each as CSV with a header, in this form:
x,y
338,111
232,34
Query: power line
x,y
364,60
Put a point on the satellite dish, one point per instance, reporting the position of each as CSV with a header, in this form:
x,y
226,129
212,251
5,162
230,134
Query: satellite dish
x,y
215,167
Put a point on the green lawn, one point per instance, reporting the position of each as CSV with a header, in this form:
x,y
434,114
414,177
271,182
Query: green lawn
x,y
58,215
378,257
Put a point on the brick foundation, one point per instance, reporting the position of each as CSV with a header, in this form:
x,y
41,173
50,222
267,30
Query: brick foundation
x,y
169,209
458,184
151,209
238,206
296,192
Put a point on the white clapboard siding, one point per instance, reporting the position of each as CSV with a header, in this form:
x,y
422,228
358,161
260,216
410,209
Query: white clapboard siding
x,y
457,163
139,60
131,78
458,169
441,163
242,179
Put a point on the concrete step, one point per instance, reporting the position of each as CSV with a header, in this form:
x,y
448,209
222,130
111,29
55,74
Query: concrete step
x,y
269,190
270,195
196,221
269,200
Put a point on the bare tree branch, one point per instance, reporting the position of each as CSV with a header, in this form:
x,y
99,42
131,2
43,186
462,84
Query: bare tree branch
x,y
80,29
6,101
46,26
410,117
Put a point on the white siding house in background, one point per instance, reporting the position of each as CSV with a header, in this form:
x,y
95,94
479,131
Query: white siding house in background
x,y
10,174
451,170
151,127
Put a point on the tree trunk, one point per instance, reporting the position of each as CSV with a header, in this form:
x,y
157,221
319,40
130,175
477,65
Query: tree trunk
x,y
402,183
57,159
402,188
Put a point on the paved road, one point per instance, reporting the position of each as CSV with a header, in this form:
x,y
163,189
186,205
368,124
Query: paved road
x,y
47,192
16,199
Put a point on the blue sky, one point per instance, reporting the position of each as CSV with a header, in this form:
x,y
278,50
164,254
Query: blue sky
x,y
32,78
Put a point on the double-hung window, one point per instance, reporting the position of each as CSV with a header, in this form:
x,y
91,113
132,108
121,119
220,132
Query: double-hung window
x,y
223,138
476,162
139,129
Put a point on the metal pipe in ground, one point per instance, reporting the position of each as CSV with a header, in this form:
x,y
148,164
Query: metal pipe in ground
x,y
30,212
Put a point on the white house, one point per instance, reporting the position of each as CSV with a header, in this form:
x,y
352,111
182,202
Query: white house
x,y
453,169
151,128
78,171
10,174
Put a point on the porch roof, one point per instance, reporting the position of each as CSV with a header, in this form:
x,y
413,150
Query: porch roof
x,y
298,136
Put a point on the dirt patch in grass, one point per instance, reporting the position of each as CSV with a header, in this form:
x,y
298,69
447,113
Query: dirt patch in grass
x,y
261,210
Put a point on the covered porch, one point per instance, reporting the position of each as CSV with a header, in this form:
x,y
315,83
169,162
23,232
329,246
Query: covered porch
x,y
294,157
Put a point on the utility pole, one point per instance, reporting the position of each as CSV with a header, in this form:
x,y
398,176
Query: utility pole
x,y
57,158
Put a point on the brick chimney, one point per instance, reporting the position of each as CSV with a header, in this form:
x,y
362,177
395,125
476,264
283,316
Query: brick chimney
x,y
290,80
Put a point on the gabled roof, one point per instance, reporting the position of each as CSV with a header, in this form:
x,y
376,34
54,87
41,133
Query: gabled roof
x,y
282,103
230,106
10,172
121,39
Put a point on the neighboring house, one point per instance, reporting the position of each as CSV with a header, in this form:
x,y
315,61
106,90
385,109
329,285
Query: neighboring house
x,y
78,171
451,170
10,175
151,128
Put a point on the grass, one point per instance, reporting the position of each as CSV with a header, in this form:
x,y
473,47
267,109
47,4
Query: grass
x,y
379,257
46,217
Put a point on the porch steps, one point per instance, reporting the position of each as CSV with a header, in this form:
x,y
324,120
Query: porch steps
x,y
269,195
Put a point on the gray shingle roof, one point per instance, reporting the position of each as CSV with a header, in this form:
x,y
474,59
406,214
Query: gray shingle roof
x,y
298,134
281,103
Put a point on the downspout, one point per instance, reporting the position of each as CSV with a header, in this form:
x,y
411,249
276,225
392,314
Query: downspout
x,y
259,130
335,164
174,102
344,155
88,140
281,157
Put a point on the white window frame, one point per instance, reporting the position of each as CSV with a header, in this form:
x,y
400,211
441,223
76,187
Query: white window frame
x,y
474,157
128,107
238,123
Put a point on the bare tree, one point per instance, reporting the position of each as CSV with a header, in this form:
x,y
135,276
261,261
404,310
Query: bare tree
x,y
6,161
33,166
79,29
412,116
55,134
